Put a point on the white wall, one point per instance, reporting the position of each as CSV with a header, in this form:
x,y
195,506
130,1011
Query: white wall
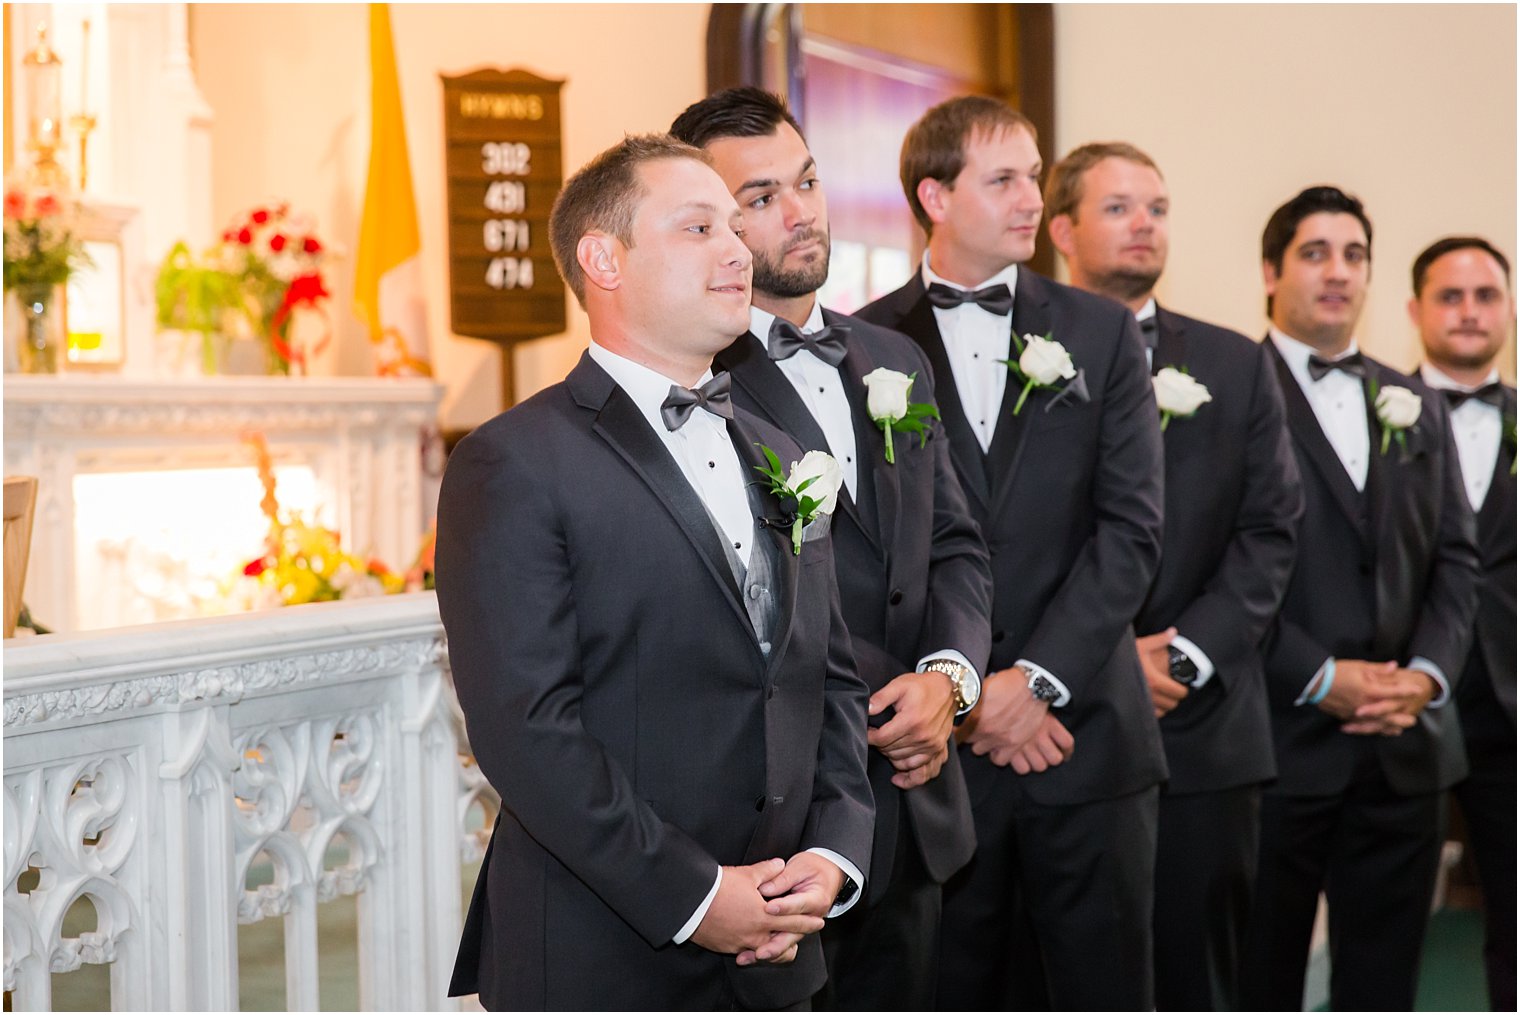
x,y
1411,108
290,88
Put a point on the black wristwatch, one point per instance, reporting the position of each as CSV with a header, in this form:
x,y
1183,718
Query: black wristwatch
x,y
1182,668
846,891
1043,690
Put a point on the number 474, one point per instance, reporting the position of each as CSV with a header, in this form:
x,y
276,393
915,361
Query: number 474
x,y
510,273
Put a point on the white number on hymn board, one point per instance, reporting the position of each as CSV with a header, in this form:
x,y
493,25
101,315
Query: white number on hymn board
x,y
510,273
505,158
507,197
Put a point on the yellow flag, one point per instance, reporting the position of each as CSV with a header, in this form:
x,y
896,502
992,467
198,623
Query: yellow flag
x,y
388,269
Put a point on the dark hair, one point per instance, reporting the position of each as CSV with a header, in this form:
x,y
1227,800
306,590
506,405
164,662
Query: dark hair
x,y
1063,187
935,146
1283,224
1442,247
733,112
604,195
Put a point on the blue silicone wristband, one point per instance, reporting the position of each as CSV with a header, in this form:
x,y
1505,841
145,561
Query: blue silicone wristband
x,y
1324,686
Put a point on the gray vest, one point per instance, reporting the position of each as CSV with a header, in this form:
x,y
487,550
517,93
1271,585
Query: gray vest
x,y
756,581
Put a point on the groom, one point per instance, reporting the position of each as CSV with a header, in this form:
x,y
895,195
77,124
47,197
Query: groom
x,y
655,677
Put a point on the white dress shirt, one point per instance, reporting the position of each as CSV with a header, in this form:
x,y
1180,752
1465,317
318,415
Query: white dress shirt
x,y
821,389
708,460
1339,402
819,386
1479,430
975,342
1145,313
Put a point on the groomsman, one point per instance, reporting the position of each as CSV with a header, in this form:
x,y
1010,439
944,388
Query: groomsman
x,y
1373,632
654,670
1464,310
913,573
1233,501
1060,458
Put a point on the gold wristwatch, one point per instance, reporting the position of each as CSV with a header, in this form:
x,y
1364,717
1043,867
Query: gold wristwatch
x,y
966,692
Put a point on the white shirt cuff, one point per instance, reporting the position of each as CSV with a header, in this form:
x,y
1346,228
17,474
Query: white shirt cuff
x,y
690,927
850,871
1199,657
1433,671
973,681
1303,698
1036,670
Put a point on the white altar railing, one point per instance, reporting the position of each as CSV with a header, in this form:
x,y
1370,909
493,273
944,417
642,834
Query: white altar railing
x,y
147,769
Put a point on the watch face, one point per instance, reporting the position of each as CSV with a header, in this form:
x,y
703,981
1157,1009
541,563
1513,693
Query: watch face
x,y
1043,689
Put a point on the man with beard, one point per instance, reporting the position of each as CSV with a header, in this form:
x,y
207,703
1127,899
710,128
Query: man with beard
x,y
1052,428
1374,628
912,567
1232,504
1464,310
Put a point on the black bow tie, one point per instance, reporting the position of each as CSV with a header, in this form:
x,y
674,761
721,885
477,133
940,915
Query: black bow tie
x,y
995,299
1491,393
1148,330
1353,365
712,396
787,340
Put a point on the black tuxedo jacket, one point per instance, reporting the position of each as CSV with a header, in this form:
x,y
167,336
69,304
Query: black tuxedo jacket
x,y
1493,651
1233,500
616,697
1388,573
912,566
1069,499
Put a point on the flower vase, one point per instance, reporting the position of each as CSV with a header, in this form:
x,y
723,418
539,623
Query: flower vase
x,y
43,327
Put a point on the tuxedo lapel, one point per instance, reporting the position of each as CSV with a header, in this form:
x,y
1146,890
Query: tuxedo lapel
x,y
970,461
1304,426
620,424
875,481
1498,510
1171,343
1031,316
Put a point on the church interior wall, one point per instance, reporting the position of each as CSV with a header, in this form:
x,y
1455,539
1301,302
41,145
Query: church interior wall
x,y
1411,107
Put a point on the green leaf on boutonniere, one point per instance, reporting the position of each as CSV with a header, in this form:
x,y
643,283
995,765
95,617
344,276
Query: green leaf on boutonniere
x,y
1507,435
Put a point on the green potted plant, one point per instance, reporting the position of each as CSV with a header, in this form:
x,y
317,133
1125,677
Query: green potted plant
x,y
196,295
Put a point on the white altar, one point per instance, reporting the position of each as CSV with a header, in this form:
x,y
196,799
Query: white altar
x,y
148,496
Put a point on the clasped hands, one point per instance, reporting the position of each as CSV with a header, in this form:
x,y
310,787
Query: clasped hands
x,y
764,910
1013,728
1377,698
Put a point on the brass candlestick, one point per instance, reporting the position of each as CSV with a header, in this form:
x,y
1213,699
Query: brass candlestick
x,y
82,124
44,134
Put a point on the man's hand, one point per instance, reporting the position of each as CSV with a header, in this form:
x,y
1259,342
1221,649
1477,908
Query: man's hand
x,y
1398,698
1356,687
1051,744
916,738
1155,663
804,889
1007,715
740,920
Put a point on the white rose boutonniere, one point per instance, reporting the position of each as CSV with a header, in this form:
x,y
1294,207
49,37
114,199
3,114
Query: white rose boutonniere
x,y
1040,363
1178,394
809,490
1398,409
887,403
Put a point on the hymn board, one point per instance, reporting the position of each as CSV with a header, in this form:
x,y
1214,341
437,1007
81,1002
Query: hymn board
x,y
503,163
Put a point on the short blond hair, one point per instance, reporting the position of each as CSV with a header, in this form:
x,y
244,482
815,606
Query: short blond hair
x,y
604,196
1063,187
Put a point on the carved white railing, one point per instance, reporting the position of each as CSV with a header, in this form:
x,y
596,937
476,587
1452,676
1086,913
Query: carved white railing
x,y
147,768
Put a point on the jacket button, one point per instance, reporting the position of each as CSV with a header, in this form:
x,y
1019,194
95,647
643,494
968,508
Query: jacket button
x,y
997,636
895,597
759,803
